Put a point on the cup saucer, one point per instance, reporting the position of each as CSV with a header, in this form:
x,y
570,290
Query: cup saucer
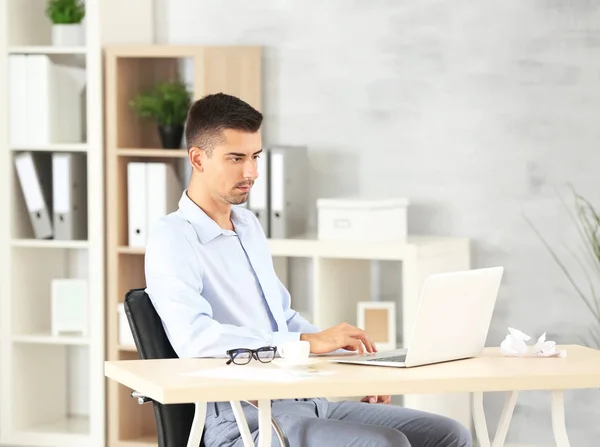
x,y
284,363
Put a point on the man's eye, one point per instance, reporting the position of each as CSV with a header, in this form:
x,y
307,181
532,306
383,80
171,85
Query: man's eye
x,y
236,159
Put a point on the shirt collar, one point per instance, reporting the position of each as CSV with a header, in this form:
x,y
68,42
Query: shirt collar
x,y
206,228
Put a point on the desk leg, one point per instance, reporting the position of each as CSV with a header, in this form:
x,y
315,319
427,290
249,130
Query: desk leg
x,y
197,425
264,423
242,423
558,419
481,430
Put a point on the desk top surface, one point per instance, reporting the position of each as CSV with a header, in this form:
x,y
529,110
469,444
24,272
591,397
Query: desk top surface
x,y
190,380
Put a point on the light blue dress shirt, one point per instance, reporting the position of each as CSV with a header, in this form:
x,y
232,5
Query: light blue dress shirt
x,y
216,289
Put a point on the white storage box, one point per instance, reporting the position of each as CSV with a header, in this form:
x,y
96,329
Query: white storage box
x,y
356,219
125,335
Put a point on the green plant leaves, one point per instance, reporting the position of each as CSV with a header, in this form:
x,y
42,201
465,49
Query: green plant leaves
x,y
587,221
62,12
167,103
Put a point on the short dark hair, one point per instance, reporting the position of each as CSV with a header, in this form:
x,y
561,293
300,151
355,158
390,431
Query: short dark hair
x,y
209,116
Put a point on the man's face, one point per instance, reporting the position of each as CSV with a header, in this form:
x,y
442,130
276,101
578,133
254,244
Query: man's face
x,y
231,168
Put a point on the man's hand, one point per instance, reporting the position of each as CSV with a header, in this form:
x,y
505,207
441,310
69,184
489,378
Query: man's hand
x,y
341,336
377,399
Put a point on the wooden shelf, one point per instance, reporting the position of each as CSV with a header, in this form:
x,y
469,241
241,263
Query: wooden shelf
x,y
129,70
127,348
49,243
124,249
71,431
47,50
142,441
162,153
59,147
48,339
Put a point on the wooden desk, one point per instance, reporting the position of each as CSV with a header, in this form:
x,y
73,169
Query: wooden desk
x,y
168,382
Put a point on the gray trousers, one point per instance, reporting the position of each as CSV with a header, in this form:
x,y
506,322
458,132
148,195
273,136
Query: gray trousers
x,y
320,423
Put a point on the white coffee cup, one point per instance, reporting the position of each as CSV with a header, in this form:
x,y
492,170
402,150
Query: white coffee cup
x,y
294,351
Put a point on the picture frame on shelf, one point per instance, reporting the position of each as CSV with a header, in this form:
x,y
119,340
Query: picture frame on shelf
x,y
378,319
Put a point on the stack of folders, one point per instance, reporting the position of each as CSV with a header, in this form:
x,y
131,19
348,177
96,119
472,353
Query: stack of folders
x,y
55,193
279,196
47,95
153,191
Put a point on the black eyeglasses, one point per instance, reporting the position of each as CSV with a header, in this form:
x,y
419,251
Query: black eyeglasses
x,y
242,356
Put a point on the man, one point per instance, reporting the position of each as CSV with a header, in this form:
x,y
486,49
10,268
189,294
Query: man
x,y
210,276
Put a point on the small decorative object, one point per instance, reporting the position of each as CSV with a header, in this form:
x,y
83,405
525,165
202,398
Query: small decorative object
x,y
66,17
167,104
378,319
69,307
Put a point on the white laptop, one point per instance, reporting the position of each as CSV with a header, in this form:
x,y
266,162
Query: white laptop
x,y
451,323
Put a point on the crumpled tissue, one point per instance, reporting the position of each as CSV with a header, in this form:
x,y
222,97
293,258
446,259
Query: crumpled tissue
x,y
514,345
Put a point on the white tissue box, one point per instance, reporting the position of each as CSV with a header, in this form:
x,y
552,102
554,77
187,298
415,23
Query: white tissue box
x,y
125,334
361,219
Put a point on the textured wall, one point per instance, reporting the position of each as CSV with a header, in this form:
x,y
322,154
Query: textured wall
x,y
474,110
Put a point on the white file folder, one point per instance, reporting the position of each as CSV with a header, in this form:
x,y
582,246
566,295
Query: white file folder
x,y
35,177
288,166
163,191
54,102
69,178
18,99
136,204
258,199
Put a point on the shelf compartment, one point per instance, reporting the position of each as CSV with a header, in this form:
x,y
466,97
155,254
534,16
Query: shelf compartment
x,y
31,303
341,284
21,226
136,422
131,274
31,414
135,76
297,275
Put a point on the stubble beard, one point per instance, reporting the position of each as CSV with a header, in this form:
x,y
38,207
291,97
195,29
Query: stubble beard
x,y
235,197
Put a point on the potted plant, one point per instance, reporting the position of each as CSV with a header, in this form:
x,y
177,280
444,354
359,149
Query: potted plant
x,y
66,17
167,104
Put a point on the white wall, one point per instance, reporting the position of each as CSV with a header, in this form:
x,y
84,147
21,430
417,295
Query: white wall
x,y
474,110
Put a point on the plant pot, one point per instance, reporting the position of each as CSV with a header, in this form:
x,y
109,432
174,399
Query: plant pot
x,y
68,35
170,136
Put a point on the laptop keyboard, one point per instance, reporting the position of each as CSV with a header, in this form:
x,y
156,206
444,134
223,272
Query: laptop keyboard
x,y
394,358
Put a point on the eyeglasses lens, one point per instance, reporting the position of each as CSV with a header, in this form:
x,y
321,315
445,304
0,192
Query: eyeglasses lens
x,y
266,356
242,357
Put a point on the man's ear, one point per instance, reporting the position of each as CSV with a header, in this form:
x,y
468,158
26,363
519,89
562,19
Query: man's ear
x,y
196,157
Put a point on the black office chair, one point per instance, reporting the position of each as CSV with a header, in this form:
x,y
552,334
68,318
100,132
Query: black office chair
x,y
173,421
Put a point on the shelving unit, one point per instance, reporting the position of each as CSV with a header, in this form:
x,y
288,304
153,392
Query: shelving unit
x,y
129,70
52,386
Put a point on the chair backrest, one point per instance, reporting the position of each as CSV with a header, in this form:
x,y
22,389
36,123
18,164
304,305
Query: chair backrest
x,y
173,421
